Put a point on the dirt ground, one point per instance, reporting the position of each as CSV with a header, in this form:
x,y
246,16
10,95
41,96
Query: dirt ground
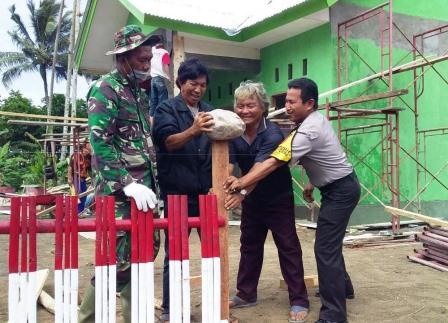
x,y
388,287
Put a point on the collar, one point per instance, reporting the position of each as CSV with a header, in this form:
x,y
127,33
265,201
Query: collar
x,y
182,106
261,128
119,77
312,114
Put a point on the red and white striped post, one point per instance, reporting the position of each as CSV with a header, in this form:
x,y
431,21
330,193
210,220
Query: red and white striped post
x,y
175,265
23,227
213,213
178,232
22,285
211,266
105,260
142,265
66,259
185,257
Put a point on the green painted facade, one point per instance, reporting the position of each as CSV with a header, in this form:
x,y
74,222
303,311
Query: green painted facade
x,y
319,47
285,60
434,9
222,86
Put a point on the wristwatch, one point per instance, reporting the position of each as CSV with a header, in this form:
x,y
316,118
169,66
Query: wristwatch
x,y
244,192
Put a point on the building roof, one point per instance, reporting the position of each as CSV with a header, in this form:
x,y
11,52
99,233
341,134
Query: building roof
x,y
247,25
230,15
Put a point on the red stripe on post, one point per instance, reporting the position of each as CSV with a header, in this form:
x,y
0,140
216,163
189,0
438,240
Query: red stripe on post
x,y
112,230
177,233
149,236
209,226
98,244
58,233
32,234
184,227
67,239
24,240
141,236
14,235
203,224
215,230
104,248
134,233
74,232
170,227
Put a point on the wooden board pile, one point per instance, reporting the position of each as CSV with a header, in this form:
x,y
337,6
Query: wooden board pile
x,y
435,248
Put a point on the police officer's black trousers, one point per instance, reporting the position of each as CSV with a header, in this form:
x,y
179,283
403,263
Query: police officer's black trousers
x,y
338,202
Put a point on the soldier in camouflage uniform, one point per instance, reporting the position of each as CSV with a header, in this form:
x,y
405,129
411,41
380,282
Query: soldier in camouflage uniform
x,y
121,144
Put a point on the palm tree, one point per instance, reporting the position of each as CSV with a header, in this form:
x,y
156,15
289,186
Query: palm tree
x,y
36,51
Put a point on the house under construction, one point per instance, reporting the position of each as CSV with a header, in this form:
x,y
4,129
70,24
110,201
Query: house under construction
x,y
381,68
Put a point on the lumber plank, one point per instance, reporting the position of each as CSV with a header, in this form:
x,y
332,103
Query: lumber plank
x,y
416,216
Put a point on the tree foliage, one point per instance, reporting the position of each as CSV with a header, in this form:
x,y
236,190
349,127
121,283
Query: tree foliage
x,y
36,44
14,133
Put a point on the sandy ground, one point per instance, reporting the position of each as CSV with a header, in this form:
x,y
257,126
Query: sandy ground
x,y
388,287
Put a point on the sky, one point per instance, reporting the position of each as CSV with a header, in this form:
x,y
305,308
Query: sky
x,y
30,84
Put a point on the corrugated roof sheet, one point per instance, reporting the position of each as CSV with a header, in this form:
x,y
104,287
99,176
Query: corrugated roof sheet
x,y
230,15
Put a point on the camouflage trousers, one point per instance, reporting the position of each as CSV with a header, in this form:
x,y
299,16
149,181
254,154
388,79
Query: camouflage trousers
x,y
123,249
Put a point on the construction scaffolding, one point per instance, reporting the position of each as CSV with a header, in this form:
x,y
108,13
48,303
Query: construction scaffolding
x,y
387,119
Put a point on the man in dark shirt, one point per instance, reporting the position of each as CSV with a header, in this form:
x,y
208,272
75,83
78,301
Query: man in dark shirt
x,y
267,206
183,149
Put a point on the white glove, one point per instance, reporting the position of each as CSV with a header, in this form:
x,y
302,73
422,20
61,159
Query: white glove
x,y
144,197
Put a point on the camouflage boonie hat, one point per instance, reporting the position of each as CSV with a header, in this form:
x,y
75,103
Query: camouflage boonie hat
x,y
130,37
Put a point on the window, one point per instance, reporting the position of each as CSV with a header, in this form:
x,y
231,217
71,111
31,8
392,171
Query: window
x,y
289,71
277,75
304,67
219,92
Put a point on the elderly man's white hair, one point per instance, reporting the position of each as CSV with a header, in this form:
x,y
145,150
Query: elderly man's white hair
x,y
249,89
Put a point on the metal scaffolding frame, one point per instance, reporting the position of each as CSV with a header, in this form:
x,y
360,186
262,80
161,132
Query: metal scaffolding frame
x,y
387,125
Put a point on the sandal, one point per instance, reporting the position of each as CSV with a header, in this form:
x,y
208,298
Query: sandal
x,y
238,302
297,309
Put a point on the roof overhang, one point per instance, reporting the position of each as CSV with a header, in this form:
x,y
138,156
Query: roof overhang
x,y
103,17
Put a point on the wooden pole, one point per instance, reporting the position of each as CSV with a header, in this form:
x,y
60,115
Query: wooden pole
x,y
179,57
220,172
40,116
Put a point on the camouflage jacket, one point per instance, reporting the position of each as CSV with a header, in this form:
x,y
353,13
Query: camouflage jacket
x,y
119,134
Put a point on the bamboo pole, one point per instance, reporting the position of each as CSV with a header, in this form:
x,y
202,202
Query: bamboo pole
x,y
402,68
40,116
68,83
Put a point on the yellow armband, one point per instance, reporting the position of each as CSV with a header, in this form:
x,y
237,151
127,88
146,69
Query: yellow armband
x,y
283,151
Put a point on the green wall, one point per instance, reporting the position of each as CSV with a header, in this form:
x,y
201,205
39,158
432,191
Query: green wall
x,y
222,86
433,9
431,103
314,45
319,46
